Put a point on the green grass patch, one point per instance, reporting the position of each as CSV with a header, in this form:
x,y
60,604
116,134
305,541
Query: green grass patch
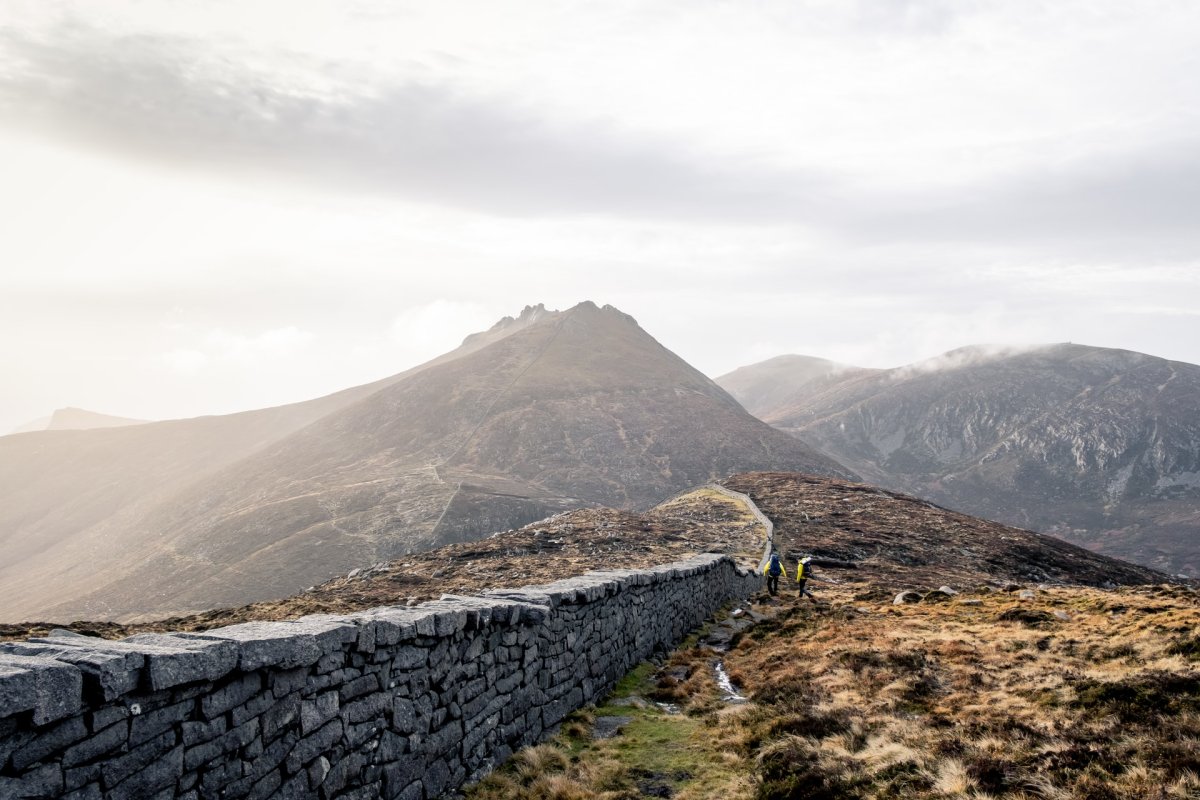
x,y
638,680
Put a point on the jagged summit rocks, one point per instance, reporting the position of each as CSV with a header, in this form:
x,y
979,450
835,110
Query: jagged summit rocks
x,y
543,413
1098,446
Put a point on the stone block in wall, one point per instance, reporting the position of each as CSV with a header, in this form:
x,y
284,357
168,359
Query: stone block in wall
x,y
220,774
174,659
357,687
230,695
385,626
138,758
314,745
257,776
53,739
280,644
45,781
363,733
316,712
251,709
75,778
296,788
108,672
339,775
160,773
627,577
365,708
50,689
99,743
280,715
228,742
89,792
482,611
147,725
257,787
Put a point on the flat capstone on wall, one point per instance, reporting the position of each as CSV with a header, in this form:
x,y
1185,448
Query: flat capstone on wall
x,y
392,702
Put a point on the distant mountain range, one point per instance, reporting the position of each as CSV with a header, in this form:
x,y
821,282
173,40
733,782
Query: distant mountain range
x,y
1099,447
543,413
76,419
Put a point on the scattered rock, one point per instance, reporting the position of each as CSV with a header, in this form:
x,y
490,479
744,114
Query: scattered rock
x,y
906,597
1029,617
938,596
947,590
1062,615
1027,594
608,727
633,701
60,632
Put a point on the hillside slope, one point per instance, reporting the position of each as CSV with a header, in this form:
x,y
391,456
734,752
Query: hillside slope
x,y
1100,447
549,412
885,542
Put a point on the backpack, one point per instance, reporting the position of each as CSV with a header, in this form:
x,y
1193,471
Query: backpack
x,y
775,568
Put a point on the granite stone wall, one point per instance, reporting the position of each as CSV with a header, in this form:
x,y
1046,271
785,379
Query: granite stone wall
x,y
391,702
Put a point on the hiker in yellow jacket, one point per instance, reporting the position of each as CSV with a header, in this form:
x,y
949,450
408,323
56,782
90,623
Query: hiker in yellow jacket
x,y
773,569
803,572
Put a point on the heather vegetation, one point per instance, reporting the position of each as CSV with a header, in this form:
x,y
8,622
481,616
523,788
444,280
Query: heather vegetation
x,y
1095,698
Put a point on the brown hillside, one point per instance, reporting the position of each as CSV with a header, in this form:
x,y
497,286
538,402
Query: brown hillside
x,y
910,544
902,542
550,412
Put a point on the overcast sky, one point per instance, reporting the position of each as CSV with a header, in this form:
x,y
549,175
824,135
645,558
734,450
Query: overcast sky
x,y
210,206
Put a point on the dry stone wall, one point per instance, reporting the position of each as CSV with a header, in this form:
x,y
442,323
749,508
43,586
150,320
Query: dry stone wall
x,y
391,702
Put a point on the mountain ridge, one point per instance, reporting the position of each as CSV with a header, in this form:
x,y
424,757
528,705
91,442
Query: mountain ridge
x,y
550,411
1096,445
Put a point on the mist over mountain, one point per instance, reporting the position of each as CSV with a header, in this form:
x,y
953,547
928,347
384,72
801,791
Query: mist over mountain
x,y
542,413
76,419
1100,447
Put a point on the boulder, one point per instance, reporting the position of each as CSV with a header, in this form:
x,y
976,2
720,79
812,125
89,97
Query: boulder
x,y
906,597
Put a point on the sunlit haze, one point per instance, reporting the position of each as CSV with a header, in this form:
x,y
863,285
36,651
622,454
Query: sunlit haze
x,y
214,206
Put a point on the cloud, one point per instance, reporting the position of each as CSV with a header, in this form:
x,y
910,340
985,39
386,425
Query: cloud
x,y
188,101
963,357
1144,199
221,349
425,331
185,102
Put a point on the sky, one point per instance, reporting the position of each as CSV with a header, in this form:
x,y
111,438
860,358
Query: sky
x,y
214,205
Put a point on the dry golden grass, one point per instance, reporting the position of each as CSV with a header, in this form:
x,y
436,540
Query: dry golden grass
x,y
870,700
1000,700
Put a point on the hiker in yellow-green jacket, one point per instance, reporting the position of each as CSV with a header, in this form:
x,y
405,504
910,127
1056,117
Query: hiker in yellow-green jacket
x,y
803,572
773,569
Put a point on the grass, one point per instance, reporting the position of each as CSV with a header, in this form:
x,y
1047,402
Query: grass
x,y
1002,699
857,698
657,754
